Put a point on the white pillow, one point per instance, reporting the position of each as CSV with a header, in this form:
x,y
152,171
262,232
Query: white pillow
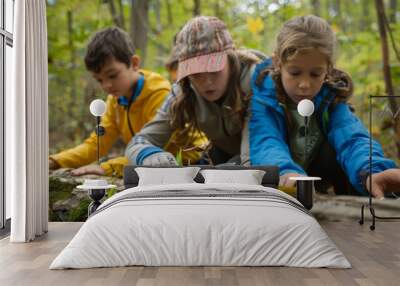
x,y
165,176
248,177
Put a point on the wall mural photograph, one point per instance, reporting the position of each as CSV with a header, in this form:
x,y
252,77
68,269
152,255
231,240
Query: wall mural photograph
x,y
230,142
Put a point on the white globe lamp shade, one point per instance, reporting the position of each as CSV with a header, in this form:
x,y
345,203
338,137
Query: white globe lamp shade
x,y
305,107
97,107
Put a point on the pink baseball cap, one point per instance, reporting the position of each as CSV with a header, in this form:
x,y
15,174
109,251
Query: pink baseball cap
x,y
202,45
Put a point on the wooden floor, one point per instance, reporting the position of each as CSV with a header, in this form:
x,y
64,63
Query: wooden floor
x,y
374,255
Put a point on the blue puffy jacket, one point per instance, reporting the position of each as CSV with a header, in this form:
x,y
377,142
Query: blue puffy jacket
x,y
344,131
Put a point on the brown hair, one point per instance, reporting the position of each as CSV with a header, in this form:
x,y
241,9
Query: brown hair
x,y
301,34
108,43
183,109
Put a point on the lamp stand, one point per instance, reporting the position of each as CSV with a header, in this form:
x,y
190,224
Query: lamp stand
x,y
305,137
100,131
96,195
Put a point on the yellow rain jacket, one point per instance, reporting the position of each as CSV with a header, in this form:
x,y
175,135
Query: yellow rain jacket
x,y
155,90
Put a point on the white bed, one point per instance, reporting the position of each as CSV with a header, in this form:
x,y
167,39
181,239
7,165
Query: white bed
x,y
201,224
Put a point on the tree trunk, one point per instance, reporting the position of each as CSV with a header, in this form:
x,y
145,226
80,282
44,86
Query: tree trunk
x,y
121,14
159,28
316,5
73,98
169,13
217,9
157,10
114,15
392,11
338,11
140,25
338,8
89,93
196,7
365,17
380,10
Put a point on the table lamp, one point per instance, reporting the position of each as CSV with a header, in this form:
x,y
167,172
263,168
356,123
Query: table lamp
x,y
304,185
97,109
96,188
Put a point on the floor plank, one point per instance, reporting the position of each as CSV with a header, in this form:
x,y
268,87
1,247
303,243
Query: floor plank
x,y
374,255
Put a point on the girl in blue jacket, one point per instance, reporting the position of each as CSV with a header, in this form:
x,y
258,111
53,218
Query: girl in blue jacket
x,y
337,142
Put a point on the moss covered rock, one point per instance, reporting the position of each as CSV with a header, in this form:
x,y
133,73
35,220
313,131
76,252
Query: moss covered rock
x,y
66,202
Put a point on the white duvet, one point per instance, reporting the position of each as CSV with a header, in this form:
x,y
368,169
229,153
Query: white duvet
x,y
205,230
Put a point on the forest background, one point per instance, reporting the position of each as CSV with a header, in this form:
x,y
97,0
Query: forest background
x,y
362,28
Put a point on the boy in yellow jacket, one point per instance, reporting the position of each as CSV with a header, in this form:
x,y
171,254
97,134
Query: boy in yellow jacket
x,y
133,100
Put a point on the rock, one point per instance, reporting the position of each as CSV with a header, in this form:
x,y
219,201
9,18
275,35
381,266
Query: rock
x,y
66,202
338,208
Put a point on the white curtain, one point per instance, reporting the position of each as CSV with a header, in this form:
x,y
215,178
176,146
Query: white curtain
x,y
27,124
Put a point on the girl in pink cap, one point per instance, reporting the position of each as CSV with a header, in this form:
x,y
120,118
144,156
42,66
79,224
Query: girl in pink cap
x,y
211,96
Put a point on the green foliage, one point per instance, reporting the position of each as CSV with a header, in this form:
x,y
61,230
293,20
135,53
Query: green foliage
x,y
79,213
178,158
62,191
69,96
57,186
111,192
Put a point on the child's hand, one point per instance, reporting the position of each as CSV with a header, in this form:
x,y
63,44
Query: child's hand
x,y
285,182
292,191
384,182
160,160
91,169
